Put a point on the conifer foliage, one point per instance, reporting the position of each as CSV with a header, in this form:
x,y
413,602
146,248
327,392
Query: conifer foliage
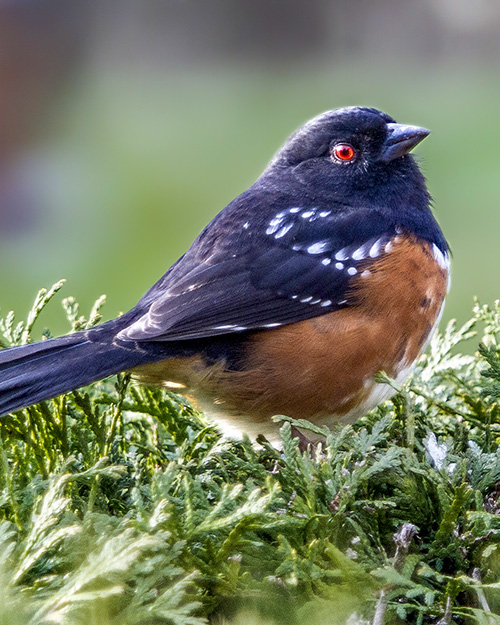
x,y
120,504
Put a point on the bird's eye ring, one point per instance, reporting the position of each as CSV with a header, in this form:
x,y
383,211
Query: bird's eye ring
x,y
343,152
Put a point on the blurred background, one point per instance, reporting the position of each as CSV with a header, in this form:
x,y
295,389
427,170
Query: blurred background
x,y
126,126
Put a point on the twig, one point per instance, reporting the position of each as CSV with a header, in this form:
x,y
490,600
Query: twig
x,y
403,538
446,620
481,597
378,617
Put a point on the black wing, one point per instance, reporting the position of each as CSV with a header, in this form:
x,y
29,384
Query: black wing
x,y
288,265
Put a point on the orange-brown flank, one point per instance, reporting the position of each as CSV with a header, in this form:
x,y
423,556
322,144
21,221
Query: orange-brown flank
x,y
324,366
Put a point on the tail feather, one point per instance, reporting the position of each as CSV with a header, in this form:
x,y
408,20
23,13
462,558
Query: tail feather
x,y
35,372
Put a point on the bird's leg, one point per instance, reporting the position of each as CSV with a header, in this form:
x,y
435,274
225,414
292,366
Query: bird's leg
x,y
304,442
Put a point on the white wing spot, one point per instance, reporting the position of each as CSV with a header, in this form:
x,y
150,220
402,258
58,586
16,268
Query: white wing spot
x,y
341,254
342,301
231,326
283,231
246,225
326,261
318,248
315,301
275,223
366,273
305,300
144,324
326,302
359,254
271,325
272,228
375,249
294,210
325,213
339,266
352,271
388,246
307,214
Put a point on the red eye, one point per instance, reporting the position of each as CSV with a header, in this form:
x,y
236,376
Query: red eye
x,y
343,152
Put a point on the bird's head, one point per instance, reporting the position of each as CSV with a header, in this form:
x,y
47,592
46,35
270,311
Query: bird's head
x,y
349,150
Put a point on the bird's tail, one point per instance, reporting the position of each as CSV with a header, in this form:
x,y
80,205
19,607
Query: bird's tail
x,y
38,371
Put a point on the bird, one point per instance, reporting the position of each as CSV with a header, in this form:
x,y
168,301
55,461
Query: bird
x,y
328,269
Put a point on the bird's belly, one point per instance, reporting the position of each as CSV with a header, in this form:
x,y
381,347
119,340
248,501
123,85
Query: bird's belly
x,y
323,369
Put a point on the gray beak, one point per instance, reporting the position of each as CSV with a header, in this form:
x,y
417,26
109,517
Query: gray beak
x,y
400,140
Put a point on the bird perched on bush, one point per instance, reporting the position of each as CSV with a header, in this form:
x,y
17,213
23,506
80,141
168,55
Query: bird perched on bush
x,y
327,270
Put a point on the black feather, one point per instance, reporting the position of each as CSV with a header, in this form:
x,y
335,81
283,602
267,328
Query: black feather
x,y
32,373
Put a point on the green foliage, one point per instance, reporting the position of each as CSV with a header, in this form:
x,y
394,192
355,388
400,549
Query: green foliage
x,y
122,504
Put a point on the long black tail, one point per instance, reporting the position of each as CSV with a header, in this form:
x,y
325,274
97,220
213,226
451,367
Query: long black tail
x,y
38,371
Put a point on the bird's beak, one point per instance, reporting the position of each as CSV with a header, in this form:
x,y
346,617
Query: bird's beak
x,y
400,140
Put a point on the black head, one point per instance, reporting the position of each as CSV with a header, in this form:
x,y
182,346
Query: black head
x,y
350,149
352,161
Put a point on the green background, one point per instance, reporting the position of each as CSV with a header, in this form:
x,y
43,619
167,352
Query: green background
x,y
131,166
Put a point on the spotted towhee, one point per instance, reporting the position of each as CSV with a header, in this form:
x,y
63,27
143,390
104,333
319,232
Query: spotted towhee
x,y
328,269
